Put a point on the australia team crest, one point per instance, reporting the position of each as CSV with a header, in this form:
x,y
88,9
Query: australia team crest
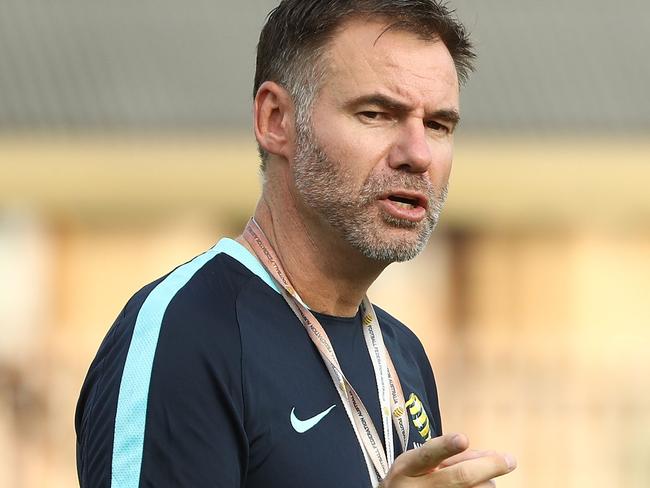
x,y
419,416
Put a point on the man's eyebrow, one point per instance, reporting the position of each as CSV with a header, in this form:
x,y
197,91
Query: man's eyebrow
x,y
448,115
451,116
380,101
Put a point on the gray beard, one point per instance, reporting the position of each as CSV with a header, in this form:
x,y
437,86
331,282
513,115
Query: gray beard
x,y
328,188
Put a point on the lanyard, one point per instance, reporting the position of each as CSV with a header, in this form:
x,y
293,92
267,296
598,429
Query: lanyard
x,y
391,397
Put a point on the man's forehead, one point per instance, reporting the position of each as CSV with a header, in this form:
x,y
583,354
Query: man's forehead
x,y
372,56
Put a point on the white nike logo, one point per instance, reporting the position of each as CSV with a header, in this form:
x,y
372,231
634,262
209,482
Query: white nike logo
x,y
302,426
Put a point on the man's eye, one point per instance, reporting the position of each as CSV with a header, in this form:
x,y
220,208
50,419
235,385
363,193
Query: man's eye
x,y
438,127
369,115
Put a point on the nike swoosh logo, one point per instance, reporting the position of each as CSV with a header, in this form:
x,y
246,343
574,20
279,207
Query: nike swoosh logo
x,y
302,426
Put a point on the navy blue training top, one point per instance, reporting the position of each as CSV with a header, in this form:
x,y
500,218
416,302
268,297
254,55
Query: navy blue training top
x,y
207,379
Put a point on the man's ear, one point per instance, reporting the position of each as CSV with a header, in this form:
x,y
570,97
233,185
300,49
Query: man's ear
x,y
273,119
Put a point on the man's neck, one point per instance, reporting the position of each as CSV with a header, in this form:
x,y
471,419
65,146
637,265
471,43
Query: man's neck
x,y
330,276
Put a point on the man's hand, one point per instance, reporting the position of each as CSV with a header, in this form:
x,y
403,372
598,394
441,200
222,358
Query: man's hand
x,y
447,462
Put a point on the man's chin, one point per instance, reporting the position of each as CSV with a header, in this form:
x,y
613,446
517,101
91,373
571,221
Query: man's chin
x,y
391,246
391,254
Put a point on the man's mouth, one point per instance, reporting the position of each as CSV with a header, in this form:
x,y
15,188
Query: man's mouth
x,y
404,202
407,199
405,205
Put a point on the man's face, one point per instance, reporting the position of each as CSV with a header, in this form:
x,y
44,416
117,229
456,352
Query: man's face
x,y
375,161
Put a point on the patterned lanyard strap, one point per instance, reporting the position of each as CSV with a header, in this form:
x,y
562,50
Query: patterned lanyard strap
x,y
391,397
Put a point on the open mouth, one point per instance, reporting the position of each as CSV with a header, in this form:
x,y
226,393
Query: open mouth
x,y
404,202
405,205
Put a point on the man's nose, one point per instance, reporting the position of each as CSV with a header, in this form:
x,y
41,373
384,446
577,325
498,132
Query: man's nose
x,y
411,150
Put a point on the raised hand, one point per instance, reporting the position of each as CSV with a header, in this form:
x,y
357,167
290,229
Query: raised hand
x,y
446,462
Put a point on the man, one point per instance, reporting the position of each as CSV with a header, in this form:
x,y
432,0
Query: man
x,y
261,363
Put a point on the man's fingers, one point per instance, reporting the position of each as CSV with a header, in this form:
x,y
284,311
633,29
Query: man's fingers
x,y
475,472
465,456
426,458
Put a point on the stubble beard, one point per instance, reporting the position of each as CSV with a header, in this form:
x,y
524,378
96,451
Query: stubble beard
x,y
329,188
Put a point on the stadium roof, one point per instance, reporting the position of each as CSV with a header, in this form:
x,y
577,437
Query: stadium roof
x,y
151,65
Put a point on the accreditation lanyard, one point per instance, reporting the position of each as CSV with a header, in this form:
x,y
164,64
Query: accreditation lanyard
x,y
391,397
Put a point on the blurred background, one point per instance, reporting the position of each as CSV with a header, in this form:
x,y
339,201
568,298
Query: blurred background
x,y
126,149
